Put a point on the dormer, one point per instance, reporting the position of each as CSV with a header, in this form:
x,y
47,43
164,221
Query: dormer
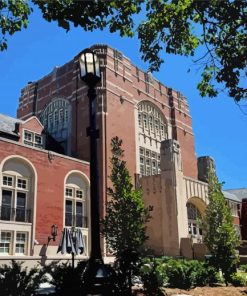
x,y
32,133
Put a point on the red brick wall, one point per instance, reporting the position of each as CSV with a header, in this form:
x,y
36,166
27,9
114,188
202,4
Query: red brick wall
x,y
50,184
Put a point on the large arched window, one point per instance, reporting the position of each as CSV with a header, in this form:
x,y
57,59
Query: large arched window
x,y
152,129
76,195
193,214
56,120
16,207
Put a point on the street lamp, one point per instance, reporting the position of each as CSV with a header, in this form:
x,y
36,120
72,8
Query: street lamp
x,y
53,234
96,277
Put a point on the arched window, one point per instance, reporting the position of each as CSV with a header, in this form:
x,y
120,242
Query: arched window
x,y
56,120
16,206
152,129
76,195
193,214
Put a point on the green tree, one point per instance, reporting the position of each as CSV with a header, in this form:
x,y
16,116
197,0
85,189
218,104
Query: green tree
x,y
219,233
124,225
174,27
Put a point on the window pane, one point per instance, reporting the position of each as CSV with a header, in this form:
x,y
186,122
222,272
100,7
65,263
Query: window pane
x,y
55,118
61,115
21,199
22,183
141,150
69,206
140,119
7,181
5,242
6,198
79,214
68,213
68,192
6,205
79,193
38,139
194,229
79,208
28,136
21,207
20,247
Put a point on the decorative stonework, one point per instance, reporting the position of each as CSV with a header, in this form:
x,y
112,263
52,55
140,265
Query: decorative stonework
x,y
171,156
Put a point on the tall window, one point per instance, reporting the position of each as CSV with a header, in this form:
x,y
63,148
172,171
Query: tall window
x,y
149,162
76,204
75,207
55,118
14,199
193,214
151,131
17,188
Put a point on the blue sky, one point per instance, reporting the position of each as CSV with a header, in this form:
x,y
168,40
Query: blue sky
x,y
219,124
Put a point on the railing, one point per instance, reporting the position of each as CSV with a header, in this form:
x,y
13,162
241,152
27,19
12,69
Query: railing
x,y
76,220
195,188
15,214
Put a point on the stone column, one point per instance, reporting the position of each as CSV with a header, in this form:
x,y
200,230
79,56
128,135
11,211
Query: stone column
x,y
173,195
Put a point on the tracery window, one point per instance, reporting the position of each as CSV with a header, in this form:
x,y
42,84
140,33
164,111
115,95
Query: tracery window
x,y
151,119
55,115
56,120
151,131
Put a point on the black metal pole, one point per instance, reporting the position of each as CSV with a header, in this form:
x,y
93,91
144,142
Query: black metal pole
x,y
97,278
93,133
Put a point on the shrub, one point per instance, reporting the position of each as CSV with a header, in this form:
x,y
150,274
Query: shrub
x,y
202,274
67,280
243,267
18,281
185,274
152,275
237,281
177,272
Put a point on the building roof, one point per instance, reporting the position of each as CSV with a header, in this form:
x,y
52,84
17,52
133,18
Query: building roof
x,y
7,124
239,193
230,196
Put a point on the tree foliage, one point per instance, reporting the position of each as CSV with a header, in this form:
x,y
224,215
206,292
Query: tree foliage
x,y
13,17
18,281
124,225
219,233
174,27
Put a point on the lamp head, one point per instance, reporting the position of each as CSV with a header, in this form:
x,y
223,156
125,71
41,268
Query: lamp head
x,y
54,230
89,67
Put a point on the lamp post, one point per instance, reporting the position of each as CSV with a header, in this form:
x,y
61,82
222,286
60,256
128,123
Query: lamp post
x,y
96,277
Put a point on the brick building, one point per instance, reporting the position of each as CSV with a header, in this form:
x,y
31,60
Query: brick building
x,y
152,120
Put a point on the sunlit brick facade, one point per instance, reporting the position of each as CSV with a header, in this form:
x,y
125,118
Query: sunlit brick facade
x,y
155,125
